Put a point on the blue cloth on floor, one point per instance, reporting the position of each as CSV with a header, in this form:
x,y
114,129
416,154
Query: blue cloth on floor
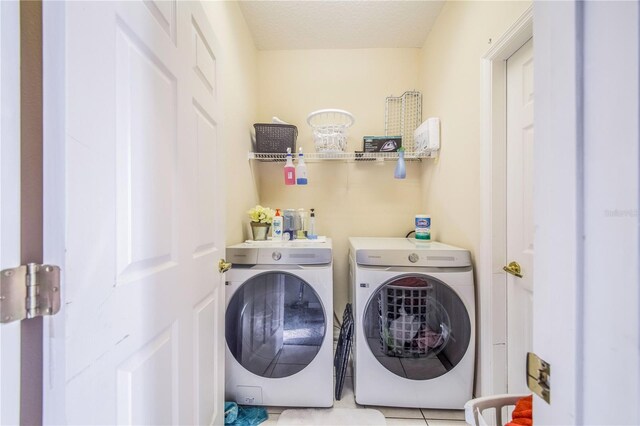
x,y
239,415
230,412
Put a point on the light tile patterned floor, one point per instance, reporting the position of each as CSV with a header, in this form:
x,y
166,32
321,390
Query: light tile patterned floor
x,y
394,415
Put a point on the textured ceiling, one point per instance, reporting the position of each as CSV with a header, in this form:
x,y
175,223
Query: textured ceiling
x,y
320,24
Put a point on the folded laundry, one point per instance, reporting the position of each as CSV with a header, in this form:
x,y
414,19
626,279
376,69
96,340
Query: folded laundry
x,y
428,339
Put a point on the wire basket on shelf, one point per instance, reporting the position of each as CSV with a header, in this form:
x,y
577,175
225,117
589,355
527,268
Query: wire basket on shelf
x,y
402,116
275,137
330,129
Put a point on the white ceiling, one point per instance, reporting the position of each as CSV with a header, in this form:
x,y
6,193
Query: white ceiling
x,y
348,24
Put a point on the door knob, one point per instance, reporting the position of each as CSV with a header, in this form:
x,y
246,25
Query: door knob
x,y
224,266
513,268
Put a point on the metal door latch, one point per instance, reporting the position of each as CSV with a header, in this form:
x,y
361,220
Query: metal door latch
x,y
224,266
539,376
29,291
513,268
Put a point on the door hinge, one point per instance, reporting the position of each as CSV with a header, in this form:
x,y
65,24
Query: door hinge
x,y
29,291
539,376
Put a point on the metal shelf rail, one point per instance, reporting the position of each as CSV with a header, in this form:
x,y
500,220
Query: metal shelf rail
x,y
343,156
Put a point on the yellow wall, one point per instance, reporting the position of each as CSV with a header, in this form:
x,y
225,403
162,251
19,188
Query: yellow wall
x,y
237,66
362,199
450,80
351,199
451,85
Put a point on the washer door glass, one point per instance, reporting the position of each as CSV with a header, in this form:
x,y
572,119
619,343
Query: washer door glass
x,y
275,324
417,327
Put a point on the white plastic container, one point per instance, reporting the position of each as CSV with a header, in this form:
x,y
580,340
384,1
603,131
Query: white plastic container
x,y
427,136
277,226
423,227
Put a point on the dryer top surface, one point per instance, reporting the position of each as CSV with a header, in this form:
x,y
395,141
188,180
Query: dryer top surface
x,y
295,252
407,252
295,244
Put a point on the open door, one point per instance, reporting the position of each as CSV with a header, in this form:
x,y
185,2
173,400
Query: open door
x,y
519,213
10,201
137,192
587,159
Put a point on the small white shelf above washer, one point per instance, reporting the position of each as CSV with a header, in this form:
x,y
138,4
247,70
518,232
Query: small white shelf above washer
x,y
343,156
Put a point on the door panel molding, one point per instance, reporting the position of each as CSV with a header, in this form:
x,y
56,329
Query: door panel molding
x,y
136,266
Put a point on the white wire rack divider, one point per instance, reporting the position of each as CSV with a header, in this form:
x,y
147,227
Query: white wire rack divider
x,y
402,116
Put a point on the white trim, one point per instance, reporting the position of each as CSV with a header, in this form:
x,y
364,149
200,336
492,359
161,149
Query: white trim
x,y
492,220
54,201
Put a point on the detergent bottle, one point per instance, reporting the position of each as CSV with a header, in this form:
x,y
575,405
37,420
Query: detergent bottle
x,y
277,226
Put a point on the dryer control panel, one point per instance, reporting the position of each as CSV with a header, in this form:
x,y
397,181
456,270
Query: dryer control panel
x,y
279,256
408,252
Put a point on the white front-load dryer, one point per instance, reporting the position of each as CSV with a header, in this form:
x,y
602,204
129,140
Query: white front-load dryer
x,y
414,309
279,324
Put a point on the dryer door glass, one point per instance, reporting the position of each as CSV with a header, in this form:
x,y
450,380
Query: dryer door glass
x,y
275,324
417,327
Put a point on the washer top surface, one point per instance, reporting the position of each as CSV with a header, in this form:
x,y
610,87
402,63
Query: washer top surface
x,y
407,252
296,252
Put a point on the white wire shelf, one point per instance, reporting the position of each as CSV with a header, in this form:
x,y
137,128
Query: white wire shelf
x,y
343,156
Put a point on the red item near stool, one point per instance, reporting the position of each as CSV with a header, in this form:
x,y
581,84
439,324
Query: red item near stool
x,y
523,413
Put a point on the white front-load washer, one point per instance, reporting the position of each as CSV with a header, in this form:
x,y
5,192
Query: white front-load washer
x,y
279,324
414,312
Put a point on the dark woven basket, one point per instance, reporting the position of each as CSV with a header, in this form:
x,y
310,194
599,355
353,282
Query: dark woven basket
x,y
275,137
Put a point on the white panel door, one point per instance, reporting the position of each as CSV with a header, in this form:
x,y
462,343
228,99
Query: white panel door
x,y
520,225
10,201
141,327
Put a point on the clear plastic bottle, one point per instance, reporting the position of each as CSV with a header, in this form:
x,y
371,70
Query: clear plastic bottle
x,y
311,228
304,224
289,170
301,169
289,224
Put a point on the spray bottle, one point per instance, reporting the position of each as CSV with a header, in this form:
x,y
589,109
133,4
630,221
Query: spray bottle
x,y
301,169
289,170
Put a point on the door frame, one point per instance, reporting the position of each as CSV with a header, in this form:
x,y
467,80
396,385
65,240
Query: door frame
x,y
54,201
493,240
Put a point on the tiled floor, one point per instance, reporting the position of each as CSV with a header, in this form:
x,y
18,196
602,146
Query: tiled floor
x,y
393,415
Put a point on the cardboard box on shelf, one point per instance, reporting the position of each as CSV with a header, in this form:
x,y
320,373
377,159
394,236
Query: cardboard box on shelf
x,y
382,143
